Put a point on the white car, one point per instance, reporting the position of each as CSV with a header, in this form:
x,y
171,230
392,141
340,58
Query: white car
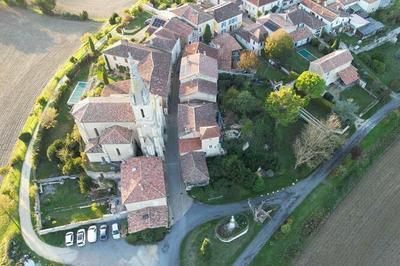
x,y
115,231
81,238
92,234
69,239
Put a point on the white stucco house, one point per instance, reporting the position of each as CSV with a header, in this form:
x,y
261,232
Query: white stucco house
x,y
333,15
256,8
227,16
335,66
252,37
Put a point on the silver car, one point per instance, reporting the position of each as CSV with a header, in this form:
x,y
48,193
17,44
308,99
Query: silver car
x,y
69,239
81,238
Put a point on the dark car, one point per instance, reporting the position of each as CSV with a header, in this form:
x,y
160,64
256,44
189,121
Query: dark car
x,y
103,232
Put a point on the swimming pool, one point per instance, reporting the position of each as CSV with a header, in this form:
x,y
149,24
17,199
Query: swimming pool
x,y
79,90
307,55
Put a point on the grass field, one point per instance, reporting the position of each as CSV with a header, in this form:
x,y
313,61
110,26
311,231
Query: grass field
x,y
388,52
266,72
308,217
64,125
359,96
63,206
221,253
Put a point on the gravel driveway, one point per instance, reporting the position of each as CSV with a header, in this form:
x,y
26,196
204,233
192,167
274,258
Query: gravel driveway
x,y
32,47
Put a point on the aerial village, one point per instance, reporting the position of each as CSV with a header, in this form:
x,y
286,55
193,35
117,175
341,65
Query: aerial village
x,y
185,109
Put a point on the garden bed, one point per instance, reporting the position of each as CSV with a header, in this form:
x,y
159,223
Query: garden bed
x,y
62,204
241,227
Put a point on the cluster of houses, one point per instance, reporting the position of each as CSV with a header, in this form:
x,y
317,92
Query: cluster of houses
x,y
127,124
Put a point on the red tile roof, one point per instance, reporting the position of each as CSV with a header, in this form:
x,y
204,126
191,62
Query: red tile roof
x,y
193,116
142,179
198,85
348,75
179,28
192,13
103,109
202,48
260,3
194,169
119,87
333,60
210,132
198,64
116,135
150,217
225,44
189,145
300,34
254,31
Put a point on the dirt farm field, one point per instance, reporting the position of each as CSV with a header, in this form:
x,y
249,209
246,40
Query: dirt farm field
x,y
32,47
365,227
95,8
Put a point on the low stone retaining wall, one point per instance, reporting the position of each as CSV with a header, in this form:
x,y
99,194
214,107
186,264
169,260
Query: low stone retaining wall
x,y
106,218
227,240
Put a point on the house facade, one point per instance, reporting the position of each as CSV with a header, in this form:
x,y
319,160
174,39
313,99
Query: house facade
x,y
227,16
335,66
252,37
256,8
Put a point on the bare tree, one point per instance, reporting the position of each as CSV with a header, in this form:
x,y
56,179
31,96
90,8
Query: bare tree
x,y
316,145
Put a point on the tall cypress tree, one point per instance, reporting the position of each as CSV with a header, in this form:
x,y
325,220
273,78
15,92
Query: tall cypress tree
x,y
91,44
105,77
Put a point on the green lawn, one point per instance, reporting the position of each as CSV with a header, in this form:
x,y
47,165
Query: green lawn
x,y
137,23
65,123
267,72
296,63
388,15
63,206
314,50
359,96
221,253
281,249
392,64
320,108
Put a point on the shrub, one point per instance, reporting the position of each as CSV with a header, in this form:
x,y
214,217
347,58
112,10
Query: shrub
x,y
148,236
48,119
394,84
378,66
113,19
85,184
25,137
315,42
46,6
84,15
53,149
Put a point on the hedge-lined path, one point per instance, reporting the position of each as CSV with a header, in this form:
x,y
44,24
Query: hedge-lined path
x,y
32,47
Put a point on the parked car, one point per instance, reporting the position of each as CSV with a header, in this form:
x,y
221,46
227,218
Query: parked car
x,y
81,238
69,239
92,234
115,231
103,232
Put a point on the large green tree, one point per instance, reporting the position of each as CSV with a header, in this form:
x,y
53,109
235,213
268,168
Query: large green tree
x,y
311,84
279,45
284,105
245,102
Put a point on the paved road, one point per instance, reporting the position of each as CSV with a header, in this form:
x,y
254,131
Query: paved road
x,y
302,189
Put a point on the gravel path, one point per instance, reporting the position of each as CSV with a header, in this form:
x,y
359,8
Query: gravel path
x,y
95,8
364,229
32,47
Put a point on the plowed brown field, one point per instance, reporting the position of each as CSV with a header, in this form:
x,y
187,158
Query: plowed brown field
x,y
32,47
365,227
95,8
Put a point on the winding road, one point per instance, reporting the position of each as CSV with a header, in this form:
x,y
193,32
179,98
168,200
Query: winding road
x,y
187,214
